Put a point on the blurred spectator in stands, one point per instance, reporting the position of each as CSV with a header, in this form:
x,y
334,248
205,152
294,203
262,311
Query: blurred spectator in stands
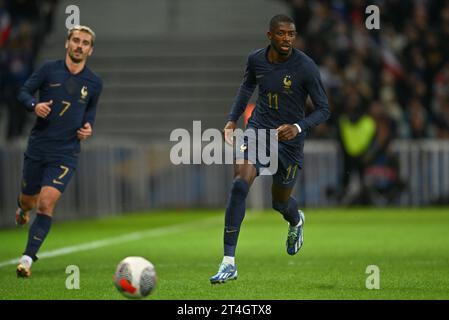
x,y
443,34
331,75
391,66
385,132
341,43
381,176
23,27
5,29
332,78
5,23
359,76
434,54
19,61
418,120
48,9
441,87
301,13
356,132
442,120
371,171
388,99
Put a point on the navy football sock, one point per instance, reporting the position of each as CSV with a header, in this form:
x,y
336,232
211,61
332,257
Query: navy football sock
x,y
235,212
289,210
37,233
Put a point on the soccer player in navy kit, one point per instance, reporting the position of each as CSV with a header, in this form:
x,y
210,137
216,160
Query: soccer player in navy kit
x,y
68,97
285,77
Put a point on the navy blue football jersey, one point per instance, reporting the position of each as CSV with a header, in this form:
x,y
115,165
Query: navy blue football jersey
x,y
283,90
75,98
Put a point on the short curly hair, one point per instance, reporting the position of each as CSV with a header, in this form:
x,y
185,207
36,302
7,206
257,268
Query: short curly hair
x,y
278,19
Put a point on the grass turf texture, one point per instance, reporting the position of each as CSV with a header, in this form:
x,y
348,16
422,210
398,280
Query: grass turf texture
x,y
410,246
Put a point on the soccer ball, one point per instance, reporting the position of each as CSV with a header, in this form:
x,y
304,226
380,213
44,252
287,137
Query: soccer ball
x,y
135,277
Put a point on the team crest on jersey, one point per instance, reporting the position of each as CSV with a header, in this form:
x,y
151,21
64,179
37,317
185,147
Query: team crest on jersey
x,y
84,92
287,83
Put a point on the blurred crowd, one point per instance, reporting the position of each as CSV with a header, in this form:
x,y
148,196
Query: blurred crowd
x,y
23,27
385,84
399,72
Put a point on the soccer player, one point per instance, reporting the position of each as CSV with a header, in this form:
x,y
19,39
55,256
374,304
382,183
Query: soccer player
x,y
68,97
285,78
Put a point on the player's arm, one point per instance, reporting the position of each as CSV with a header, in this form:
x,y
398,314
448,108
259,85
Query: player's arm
x,y
315,88
27,91
321,113
244,93
89,117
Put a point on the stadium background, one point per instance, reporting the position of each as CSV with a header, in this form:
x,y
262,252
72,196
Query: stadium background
x,y
168,63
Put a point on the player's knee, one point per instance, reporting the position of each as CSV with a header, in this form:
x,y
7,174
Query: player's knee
x,y
240,188
281,207
45,206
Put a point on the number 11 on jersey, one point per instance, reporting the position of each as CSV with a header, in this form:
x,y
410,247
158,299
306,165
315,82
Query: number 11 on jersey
x,y
273,100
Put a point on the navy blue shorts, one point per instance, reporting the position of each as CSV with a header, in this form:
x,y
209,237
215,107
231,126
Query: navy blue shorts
x,y
38,173
289,160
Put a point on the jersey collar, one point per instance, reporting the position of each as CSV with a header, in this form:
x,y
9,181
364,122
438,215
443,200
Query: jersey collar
x,y
278,63
74,74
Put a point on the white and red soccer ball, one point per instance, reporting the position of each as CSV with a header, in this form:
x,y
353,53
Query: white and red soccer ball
x,y
135,277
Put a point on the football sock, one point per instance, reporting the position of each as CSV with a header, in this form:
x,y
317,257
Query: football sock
x,y
37,233
289,210
235,212
26,261
229,260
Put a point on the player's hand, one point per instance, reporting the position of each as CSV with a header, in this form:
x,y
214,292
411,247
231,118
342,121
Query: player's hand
x,y
287,132
43,109
228,131
84,132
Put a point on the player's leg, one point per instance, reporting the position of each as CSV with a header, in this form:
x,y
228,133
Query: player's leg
x,y
283,202
55,179
48,198
25,203
32,174
39,229
244,175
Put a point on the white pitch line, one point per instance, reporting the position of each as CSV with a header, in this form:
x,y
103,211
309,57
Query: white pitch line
x,y
119,240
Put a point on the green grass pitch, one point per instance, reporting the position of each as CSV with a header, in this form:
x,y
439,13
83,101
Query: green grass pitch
x,y
410,247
